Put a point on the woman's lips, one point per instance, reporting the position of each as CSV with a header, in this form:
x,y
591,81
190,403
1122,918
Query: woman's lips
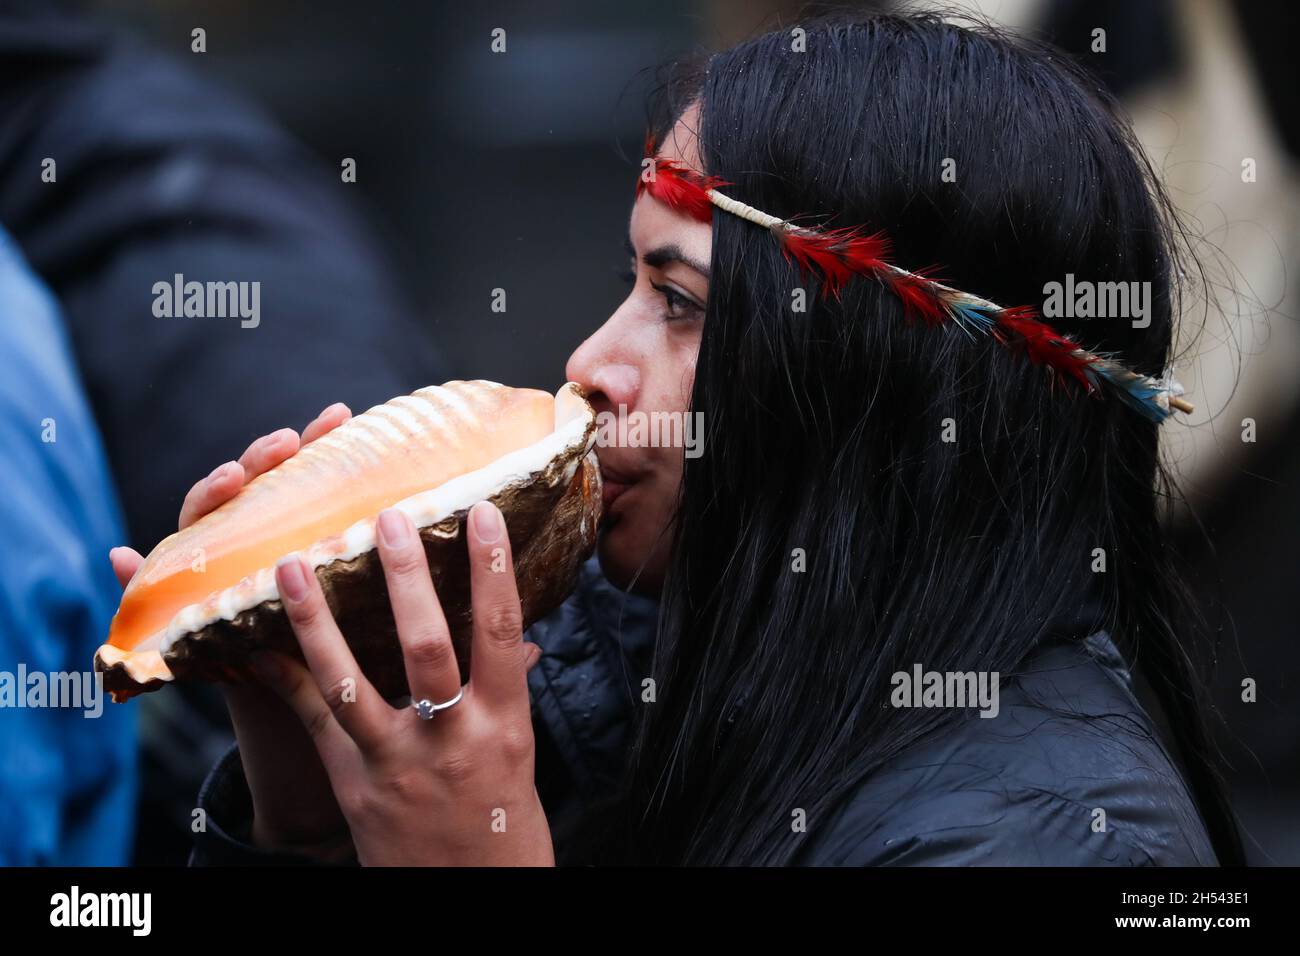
x,y
611,491
613,485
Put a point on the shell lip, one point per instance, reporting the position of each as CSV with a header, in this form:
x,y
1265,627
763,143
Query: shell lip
x,y
144,666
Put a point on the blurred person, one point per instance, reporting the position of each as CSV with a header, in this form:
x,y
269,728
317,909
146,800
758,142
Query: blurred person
x,y
824,436
67,757
124,171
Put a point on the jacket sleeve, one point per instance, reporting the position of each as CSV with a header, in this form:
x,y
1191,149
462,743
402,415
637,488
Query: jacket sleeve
x,y
68,787
991,827
227,820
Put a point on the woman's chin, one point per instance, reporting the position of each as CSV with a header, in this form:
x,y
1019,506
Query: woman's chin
x,y
623,560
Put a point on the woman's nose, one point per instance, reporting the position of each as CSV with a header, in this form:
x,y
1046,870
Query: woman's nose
x,y
607,381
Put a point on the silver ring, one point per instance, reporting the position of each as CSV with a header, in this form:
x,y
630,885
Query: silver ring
x,y
427,708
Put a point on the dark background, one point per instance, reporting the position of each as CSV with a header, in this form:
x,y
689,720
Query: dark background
x,y
476,170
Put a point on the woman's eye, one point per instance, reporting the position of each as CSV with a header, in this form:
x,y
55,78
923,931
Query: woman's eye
x,y
679,307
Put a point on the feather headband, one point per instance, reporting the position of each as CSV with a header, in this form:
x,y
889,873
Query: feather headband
x,y
837,255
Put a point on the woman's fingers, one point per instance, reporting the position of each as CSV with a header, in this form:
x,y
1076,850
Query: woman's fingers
x,y
293,684
497,663
219,487
260,457
328,420
269,451
125,562
351,698
431,669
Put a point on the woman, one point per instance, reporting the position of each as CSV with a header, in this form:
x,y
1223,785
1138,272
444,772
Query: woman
x,y
878,497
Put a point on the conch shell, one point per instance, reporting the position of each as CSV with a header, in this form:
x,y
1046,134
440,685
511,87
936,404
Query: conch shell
x,y
206,597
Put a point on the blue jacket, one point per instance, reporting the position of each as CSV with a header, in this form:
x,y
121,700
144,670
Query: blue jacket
x,y
67,776
1022,788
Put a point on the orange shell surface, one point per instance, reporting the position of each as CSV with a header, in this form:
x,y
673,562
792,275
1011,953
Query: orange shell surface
x,y
205,597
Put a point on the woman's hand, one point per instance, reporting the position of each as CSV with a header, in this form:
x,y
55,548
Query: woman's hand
x,y
293,805
457,789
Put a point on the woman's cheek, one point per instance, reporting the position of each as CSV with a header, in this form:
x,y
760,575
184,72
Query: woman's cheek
x,y
684,354
688,378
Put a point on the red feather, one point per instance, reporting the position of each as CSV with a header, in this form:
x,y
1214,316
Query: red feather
x,y
921,297
1042,343
836,255
680,188
867,254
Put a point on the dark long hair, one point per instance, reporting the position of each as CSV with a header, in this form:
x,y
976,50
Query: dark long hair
x,y
824,429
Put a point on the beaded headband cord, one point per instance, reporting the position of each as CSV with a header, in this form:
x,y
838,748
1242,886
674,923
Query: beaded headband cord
x,y
836,255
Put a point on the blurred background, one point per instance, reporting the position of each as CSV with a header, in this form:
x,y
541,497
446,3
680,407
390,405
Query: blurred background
x,y
477,170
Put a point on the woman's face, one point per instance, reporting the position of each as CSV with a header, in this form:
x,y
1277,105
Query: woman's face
x,y
642,361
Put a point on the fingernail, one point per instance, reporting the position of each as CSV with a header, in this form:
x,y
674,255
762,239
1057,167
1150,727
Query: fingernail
x,y
394,528
291,578
218,471
266,665
487,521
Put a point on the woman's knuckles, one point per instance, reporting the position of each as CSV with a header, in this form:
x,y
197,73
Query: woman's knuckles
x,y
455,768
430,651
408,786
357,801
406,562
340,694
318,723
503,622
516,743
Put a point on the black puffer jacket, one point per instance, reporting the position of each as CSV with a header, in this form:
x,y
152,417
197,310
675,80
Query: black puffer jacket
x,y
1022,788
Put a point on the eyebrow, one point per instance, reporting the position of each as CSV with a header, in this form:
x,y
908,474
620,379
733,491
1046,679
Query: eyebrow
x,y
661,256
